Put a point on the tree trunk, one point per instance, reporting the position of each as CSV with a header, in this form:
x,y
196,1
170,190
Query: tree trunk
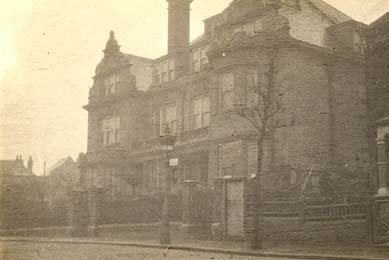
x,y
257,237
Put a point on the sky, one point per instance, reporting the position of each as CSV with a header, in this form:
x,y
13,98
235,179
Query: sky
x,y
50,48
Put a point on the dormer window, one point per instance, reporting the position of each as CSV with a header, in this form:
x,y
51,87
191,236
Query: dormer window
x,y
111,85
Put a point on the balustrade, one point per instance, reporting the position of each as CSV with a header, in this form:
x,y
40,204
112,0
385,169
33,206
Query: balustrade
x,y
187,137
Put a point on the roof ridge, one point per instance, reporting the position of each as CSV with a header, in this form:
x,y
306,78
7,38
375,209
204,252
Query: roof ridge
x,y
326,8
137,56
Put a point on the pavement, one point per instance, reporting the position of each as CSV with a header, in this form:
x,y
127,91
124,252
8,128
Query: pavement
x,y
58,251
147,237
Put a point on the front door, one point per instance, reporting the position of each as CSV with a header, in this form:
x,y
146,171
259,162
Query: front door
x,y
234,209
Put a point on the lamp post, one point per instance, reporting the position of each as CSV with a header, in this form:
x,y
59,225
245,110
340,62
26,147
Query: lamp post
x,y
168,141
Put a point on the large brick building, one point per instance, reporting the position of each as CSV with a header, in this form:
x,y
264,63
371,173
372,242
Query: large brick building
x,y
196,87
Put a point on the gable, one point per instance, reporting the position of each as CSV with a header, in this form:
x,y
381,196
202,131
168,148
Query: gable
x,y
329,11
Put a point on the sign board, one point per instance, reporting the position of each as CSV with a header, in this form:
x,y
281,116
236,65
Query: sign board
x,y
173,162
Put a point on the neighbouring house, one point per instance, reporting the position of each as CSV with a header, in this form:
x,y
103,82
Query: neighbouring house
x,y
62,178
317,56
21,195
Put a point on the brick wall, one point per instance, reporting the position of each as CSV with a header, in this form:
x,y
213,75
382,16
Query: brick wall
x,y
308,25
303,81
349,106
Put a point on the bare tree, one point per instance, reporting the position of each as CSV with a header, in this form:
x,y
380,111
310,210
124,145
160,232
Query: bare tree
x,y
262,114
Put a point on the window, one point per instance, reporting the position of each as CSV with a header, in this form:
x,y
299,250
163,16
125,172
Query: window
x,y
111,182
293,177
227,91
257,25
111,85
229,171
249,28
164,77
203,57
196,60
155,121
110,130
315,182
237,29
168,117
171,70
200,112
253,78
386,142
165,71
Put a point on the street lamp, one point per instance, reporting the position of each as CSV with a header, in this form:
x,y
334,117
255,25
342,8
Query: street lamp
x,y
168,141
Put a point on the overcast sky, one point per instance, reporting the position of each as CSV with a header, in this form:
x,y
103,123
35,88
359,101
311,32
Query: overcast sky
x,y
49,50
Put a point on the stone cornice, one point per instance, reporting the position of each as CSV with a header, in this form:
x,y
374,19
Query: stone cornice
x,y
106,101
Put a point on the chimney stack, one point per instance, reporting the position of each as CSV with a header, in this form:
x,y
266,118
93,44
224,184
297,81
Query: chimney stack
x,y
179,32
178,25
30,164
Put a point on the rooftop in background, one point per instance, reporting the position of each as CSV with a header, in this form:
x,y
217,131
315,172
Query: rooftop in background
x,y
381,22
60,163
16,167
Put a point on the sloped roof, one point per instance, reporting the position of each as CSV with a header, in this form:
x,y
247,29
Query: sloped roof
x,y
330,11
60,163
198,39
131,56
381,21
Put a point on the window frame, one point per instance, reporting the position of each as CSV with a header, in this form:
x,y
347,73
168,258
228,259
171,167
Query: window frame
x,y
197,118
224,92
163,118
111,85
110,129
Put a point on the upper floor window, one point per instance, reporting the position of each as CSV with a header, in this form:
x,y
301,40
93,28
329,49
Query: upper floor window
x,y
200,112
110,128
203,57
226,82
164,76
164,71
196,59
168,117
171,75
111,85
